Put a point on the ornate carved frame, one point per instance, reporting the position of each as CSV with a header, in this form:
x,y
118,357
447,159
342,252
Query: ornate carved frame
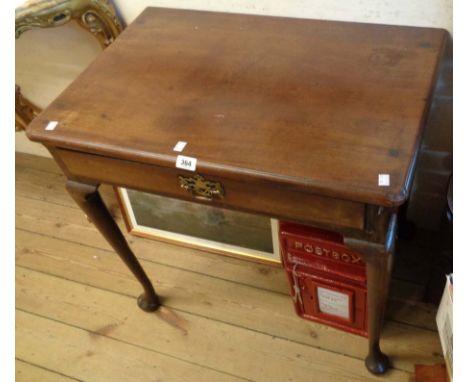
x,y
96,16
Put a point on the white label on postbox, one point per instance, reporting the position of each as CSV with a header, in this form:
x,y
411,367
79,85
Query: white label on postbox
x,y
332,302
186,163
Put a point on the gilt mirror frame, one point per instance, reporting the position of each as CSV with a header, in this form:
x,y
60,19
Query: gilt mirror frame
x,y
98,17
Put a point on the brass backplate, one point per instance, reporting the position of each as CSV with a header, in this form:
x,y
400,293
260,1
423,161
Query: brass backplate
x,y
201,188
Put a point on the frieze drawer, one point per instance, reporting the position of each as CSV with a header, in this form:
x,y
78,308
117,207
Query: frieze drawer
x,y
267,200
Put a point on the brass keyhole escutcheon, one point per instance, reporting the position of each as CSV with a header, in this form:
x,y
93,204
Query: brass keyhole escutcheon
x,y
201,188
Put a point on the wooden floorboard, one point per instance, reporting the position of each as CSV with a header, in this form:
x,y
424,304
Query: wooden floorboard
x,y
223,318
200,340
226,301
91,356
36,162
27,372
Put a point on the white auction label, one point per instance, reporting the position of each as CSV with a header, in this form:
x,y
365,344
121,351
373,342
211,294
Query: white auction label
x,y
384,180
332,302
186,163
51,125
180,146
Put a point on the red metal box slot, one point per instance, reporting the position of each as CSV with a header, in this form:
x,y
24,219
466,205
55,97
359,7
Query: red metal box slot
x,y
327,279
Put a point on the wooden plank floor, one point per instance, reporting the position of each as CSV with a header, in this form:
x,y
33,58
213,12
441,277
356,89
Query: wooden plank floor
x,y
223,319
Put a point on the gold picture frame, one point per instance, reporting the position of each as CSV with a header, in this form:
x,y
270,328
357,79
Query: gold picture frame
x,y
97,17
136,228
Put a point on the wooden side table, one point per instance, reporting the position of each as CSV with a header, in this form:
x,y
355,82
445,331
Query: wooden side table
x,y
307,121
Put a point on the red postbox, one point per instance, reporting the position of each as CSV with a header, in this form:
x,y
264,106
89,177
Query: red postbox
x,y
327,279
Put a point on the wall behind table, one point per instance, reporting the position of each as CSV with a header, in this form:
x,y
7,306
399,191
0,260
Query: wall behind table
x,y
48,60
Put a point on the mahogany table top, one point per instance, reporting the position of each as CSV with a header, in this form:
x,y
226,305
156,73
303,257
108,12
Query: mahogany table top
x,y
319,106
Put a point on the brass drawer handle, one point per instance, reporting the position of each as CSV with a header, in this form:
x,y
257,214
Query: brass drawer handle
x,y
201,188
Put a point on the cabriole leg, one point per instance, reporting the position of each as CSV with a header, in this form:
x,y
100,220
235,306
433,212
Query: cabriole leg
x,y
378,280
88,198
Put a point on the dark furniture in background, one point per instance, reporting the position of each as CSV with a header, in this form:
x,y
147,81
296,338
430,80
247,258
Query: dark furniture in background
x,y
442,261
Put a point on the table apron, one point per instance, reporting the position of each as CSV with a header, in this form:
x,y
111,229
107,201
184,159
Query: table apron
x,y
239,195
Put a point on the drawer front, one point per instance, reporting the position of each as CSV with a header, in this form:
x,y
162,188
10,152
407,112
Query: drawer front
x,y
202,188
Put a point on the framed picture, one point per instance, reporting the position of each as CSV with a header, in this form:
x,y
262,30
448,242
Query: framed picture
x,y
194,225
